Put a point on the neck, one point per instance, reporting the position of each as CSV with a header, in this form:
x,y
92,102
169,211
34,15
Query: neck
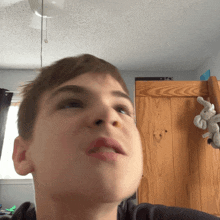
x,y
74,209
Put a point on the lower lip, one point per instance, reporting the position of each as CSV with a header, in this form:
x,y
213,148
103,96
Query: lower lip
x,y
106,156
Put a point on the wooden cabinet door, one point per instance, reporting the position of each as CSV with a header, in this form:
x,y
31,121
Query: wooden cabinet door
x,y
180,167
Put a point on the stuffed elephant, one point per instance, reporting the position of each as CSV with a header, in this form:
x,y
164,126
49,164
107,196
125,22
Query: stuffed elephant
x,y
205,120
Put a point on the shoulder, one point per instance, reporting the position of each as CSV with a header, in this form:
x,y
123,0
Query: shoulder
x,y
148,211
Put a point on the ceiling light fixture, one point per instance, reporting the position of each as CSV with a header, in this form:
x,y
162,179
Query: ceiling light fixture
x,y
46,9
52,8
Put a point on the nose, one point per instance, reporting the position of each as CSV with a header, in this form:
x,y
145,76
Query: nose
x,y
116,123
105,116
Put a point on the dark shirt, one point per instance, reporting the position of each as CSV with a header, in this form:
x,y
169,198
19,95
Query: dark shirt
x,y
127,210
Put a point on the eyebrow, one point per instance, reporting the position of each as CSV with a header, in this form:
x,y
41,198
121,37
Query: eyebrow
x,y
84,90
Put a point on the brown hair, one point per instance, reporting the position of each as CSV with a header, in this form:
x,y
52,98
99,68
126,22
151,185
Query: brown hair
x,y
53,76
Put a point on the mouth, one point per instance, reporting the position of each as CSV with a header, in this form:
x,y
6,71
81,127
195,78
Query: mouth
x,y
103,149
105,145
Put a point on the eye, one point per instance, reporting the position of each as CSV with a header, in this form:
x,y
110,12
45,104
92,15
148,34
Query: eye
x,y
78,104
124,108
74,103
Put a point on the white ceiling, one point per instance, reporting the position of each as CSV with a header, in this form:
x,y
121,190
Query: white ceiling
x,y
133,35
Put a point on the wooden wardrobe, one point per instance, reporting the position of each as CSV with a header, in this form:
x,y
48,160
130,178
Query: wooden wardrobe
x,y
180,167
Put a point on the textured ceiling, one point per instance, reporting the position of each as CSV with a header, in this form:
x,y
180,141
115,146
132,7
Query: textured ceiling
x,y
142,35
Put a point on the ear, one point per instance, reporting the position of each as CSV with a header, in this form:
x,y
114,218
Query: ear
x,y
22,164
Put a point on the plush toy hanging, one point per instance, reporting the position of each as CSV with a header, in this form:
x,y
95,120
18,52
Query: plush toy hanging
x,y
207,118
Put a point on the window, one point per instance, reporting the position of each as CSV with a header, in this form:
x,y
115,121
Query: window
x,y
7,170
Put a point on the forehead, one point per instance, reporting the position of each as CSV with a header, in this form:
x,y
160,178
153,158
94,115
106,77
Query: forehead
x,y
95,82
95,79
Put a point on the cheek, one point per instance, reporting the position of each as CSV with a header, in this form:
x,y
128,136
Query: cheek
x,y
137,147
61,125
68,145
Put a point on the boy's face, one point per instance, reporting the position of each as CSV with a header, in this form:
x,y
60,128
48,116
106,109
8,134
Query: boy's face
x,y
57,157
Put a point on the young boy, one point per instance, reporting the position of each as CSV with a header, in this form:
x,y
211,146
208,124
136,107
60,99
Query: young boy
x,y
72,104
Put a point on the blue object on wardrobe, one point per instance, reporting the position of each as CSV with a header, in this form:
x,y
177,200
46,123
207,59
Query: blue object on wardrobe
x,y
205,76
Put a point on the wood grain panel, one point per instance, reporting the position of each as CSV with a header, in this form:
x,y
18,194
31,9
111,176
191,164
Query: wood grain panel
x,y
180,168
